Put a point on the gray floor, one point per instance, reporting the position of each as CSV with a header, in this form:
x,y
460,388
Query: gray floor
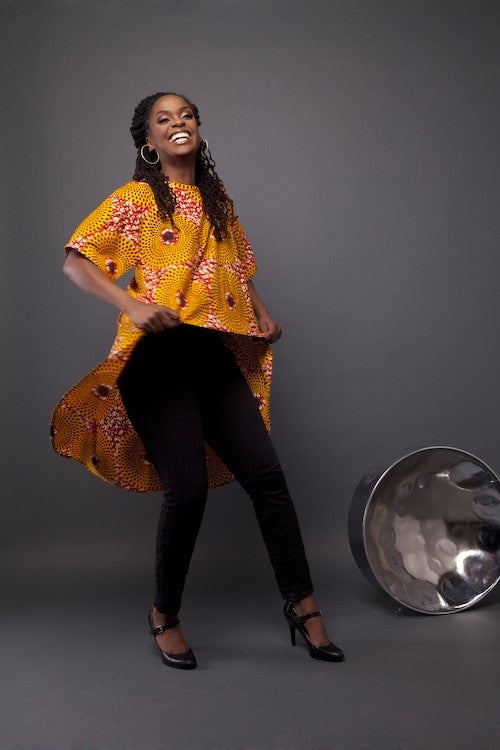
x,y
81,673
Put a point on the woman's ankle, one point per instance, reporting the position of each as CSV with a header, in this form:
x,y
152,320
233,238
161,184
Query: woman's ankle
x,y
163,616
306,604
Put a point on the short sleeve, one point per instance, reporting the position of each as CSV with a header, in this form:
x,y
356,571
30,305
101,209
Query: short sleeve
x,y
110,235
245,252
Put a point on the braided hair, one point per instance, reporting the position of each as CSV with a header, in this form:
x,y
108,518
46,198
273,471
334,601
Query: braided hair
x,y
216,203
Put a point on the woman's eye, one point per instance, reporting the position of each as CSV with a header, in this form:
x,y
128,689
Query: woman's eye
x,y
163,119
188,115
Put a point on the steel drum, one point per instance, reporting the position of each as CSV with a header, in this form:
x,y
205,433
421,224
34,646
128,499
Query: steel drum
x,y
426,529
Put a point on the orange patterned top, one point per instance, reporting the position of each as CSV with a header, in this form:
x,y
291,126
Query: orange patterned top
x,y
184,268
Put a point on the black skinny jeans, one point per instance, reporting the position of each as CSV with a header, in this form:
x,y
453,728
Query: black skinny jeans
x,y
182,387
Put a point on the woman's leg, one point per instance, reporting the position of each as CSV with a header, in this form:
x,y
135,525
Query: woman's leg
x,y
160,393
233,427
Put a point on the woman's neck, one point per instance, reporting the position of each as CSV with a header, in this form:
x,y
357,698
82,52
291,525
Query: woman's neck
x,y
180,172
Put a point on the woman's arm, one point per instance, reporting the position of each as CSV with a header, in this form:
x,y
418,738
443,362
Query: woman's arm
x,y
267,325
85,274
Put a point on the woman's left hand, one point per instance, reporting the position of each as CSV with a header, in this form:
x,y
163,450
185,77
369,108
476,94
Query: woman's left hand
x,y
271,330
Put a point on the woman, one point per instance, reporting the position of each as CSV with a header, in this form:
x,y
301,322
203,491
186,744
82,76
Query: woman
x,y
182,402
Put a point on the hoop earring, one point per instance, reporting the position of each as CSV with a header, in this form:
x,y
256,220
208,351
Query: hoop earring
x,y
146,160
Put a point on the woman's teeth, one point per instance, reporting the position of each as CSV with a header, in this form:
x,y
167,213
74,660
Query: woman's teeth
x,y
180,137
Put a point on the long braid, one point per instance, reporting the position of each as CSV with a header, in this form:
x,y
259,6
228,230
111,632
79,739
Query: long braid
x,y
216,203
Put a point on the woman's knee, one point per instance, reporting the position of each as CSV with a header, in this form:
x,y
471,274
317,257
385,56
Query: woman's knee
x,y
186,495
265,477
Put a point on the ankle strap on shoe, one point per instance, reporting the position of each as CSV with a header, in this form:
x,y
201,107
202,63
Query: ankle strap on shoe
x,y
303,618
161,628
295,618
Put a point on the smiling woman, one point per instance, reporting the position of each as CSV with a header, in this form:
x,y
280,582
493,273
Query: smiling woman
x,y
176,127
160,152
181,403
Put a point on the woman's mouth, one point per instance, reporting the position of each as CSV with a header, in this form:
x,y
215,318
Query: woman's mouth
x,y
179,138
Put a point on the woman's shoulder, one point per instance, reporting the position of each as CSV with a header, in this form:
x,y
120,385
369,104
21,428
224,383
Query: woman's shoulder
x,y
139,193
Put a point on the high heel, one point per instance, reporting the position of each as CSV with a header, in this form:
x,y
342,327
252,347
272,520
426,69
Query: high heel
x,y
184,660
331,652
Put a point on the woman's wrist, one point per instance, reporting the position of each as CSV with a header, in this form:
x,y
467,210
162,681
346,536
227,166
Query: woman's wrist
x,y
128,304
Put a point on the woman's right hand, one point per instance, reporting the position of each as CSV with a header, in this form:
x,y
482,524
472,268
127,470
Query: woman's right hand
x,y
151,317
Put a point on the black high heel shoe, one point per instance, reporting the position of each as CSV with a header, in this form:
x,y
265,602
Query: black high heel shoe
x,y
184,660
331,652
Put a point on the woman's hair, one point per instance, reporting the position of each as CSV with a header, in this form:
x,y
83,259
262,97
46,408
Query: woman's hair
x,y
216,203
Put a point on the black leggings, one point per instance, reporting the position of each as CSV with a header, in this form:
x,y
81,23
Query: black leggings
x,y
182,387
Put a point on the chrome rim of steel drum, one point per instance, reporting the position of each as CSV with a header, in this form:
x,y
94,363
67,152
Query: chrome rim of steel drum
x,y
426,529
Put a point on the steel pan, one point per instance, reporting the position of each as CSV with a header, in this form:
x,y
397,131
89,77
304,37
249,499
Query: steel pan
x,y
426,529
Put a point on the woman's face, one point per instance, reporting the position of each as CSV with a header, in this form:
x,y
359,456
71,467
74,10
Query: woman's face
x,y
173,131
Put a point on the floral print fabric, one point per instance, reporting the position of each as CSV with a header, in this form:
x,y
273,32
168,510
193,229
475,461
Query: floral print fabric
x,y
182,267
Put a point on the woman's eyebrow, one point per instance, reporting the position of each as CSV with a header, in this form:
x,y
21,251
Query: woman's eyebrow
x,y
168,112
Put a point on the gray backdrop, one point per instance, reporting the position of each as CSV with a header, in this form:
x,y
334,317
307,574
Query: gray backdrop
x,y
359,142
